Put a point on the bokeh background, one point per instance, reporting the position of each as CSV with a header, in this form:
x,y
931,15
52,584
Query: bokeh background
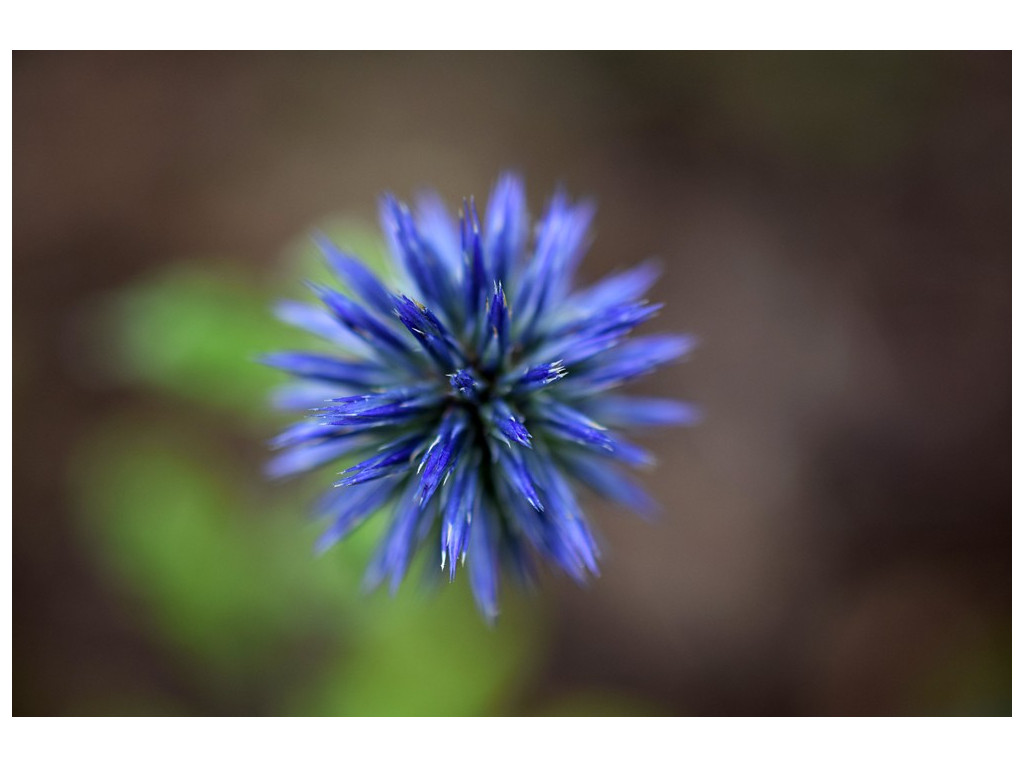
x,y
835,228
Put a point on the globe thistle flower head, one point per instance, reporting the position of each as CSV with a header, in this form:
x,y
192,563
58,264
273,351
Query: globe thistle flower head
x,y
480,396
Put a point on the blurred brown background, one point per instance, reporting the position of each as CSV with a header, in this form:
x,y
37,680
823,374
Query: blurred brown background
x,y
835,227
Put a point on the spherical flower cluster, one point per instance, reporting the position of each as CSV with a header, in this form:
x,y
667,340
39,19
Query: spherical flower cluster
x,y
480,397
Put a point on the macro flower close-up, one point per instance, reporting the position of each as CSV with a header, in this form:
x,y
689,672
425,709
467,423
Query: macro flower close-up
x,y
474,403
511,383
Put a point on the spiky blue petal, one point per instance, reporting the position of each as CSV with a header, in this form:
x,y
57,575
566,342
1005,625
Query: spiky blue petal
x,y
507,226
307,365
347,510
631,412
356,276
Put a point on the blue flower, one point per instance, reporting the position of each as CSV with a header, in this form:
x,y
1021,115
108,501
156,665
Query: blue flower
x,y
479,398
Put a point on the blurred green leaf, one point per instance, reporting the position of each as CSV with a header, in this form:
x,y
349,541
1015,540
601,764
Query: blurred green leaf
x,y
227,579
430,656
230,581
196,331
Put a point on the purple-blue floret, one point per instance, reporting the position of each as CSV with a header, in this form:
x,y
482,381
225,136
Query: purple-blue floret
x,y
478,397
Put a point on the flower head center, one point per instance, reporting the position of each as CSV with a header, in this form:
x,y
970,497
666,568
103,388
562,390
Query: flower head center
x,y
472,385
